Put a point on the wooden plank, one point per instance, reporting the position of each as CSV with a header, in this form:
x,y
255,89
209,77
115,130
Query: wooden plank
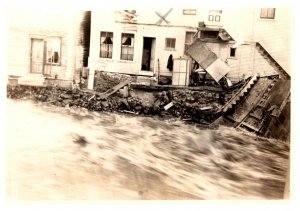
x,y
171,87
114,89
206,108
277,113
255,116
168,105
201,53
249,126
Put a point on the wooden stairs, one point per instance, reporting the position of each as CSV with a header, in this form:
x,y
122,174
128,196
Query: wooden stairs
x,y
240,94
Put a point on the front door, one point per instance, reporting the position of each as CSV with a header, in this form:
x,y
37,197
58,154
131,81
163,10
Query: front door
x,y
148,53
37,56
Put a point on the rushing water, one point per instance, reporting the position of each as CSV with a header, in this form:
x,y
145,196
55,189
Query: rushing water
x,y
72,154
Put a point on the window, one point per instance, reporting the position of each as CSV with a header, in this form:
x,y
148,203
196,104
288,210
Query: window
x,y
53,50
106,44
214,15
216,18
211,18
189,11
170,43
189,39
267,13
209,34
127,47
232,52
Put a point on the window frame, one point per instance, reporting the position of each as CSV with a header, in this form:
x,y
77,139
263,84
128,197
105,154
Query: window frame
x,y
189,11
211,17
209,34
107,52
169,40
186,44
269,12
47,41
131,46
232,53
215,18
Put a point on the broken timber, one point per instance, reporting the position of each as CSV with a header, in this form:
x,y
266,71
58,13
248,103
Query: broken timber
x,y
277,112
168,105
109,91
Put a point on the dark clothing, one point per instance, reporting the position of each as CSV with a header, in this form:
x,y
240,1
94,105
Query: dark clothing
x,y
170,63
196,65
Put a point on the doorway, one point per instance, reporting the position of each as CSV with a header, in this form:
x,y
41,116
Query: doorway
x,y
37,56
148,56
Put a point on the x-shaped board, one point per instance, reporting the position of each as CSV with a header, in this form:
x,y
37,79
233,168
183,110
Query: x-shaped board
x,y
163,17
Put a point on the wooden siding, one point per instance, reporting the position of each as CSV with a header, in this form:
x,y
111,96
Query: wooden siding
x,y
18,43
247,61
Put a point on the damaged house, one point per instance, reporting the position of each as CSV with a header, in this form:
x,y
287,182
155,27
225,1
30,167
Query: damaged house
x,y
219,55
46,47
140,42
174,43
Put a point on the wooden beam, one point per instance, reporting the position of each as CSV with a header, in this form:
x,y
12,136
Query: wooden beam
x,y
114,89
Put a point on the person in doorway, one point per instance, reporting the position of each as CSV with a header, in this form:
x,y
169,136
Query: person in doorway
x,y
170,63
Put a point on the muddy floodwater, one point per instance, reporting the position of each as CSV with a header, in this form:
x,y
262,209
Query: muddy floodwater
x,y
59,154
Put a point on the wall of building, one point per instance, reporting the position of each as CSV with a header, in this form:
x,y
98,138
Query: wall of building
x,y
175,17
275,35
143,28
42,24
18,51
246,62
250,61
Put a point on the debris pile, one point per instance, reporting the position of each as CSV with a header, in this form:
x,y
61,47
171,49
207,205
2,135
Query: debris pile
x,y
197,106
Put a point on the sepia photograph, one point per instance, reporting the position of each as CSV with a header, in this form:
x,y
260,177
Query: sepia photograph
x,y
147,102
